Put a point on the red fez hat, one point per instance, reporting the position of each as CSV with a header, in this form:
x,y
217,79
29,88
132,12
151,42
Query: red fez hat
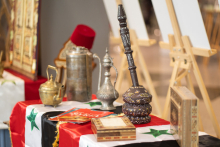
x,y
83,36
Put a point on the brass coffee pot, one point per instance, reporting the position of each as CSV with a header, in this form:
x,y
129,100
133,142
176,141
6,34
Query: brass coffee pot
x,y
51,92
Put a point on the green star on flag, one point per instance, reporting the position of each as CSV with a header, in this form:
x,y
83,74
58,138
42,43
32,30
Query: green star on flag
x,y
157,133
92,104
31,118
8,81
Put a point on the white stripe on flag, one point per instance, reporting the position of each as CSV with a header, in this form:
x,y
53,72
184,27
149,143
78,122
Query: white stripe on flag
x,y
90,140
33,138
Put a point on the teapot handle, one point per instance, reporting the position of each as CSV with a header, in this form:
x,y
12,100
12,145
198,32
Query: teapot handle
x,y
116,75
54,68
100,70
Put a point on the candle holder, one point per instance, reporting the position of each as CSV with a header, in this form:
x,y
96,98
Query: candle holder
x,y
136,98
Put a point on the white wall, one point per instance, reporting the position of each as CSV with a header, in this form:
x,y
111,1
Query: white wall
x,y
59,18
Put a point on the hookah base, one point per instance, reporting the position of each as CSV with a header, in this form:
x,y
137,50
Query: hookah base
x,y
139,119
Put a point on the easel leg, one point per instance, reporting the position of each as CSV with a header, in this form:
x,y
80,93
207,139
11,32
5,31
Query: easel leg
x,y
202,86
120,76
172,81
149,82
128,77
207,100
140,79
189,83
206,60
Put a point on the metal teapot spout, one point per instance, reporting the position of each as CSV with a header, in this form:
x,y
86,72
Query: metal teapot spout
x,y
61,92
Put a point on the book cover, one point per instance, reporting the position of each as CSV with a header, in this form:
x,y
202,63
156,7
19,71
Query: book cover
x,y
79,115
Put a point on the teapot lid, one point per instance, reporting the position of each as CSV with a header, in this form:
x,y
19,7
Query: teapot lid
x,y
107,58
50,85
77,50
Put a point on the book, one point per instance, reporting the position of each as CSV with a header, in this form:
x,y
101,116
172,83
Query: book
x,y
113,128
79,115
184,116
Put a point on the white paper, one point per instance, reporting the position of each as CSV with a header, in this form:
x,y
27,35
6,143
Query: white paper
x,y
135,18
190,22
163,18
112,122
112,10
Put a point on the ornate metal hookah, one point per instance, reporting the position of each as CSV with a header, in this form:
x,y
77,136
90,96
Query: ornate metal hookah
x,y
136,98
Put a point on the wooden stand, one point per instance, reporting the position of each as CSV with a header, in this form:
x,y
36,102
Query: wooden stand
x,y
213,30
182,56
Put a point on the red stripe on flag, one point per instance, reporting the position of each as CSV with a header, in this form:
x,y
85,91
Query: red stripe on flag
x,y
70,133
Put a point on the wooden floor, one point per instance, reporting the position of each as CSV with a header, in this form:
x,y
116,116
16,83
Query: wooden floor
x,y
157,61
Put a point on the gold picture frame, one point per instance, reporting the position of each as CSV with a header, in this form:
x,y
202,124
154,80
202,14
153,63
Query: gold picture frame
x,y
24,37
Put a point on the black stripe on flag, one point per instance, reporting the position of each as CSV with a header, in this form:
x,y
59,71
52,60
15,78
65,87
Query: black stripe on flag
x,y
48,128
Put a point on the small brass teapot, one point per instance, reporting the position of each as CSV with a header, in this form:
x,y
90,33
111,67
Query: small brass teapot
x,y
51,92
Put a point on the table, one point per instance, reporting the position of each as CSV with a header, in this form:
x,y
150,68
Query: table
x,y
81,135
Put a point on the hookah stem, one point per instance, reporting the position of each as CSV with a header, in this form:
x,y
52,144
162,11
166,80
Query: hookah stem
x,y
125,36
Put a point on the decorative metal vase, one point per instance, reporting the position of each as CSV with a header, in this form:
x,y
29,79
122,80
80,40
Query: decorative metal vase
x,y
107,93
136,98
79,74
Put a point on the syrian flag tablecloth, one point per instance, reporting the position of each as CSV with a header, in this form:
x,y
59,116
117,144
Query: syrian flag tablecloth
x,y
30,127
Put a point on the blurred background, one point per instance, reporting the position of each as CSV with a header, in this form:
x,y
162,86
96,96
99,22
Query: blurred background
x,y
58,19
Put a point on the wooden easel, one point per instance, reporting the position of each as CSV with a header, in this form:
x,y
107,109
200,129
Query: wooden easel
x,y
182,56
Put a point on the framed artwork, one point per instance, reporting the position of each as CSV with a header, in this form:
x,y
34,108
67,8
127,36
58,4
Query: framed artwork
x,y
24,37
